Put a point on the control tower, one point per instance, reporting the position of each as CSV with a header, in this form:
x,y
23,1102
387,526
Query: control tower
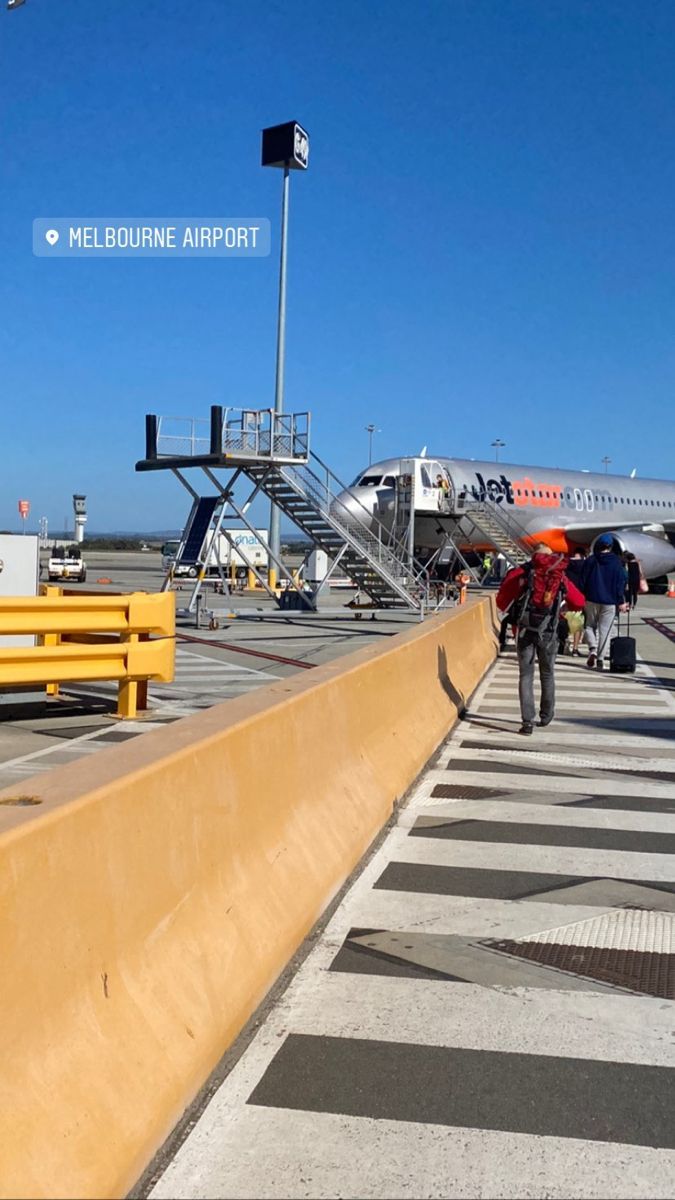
x,y
80,510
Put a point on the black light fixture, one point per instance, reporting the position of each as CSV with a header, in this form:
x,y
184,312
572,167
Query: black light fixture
x,y
285,145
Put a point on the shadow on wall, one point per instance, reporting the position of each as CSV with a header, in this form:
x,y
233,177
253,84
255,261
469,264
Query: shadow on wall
x,y
495,621
446,683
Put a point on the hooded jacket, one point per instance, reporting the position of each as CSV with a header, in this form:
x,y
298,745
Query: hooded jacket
x,y
604,578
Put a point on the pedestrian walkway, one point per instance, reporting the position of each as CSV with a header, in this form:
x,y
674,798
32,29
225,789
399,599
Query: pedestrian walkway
x,y
200,683
489,1012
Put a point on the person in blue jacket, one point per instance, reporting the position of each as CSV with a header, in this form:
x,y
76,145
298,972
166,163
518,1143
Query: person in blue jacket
x,y
604,586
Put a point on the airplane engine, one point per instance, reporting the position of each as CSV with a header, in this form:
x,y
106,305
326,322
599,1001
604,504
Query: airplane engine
x,y
655,553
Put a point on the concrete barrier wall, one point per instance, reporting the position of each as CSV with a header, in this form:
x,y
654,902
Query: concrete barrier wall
x,y
151,899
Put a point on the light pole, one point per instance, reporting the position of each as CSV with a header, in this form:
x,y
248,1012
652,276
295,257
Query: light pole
x,y
284,146
606,460
370,430
497,445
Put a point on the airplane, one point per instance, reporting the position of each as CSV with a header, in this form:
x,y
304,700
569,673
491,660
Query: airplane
x,y
564,509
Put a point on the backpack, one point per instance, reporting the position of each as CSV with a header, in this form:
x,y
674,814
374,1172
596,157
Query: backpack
x,y
537,610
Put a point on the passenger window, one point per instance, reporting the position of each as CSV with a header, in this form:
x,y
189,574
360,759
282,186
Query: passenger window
x,y
588,497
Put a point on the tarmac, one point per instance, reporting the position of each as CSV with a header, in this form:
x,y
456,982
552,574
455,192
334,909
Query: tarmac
x,y
489,1009
255,644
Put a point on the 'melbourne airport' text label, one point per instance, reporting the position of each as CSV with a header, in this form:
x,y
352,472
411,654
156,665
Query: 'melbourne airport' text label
x,y
166,237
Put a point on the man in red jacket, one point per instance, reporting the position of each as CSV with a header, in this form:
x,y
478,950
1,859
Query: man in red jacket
x,y
532,595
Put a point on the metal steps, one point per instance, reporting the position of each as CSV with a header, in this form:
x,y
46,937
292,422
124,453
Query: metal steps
x,y
271,450
496,527
308,493
196,528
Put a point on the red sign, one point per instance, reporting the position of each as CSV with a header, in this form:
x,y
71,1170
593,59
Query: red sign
x,y
24,508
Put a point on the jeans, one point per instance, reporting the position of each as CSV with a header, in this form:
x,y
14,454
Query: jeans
x,y
599,621
529,649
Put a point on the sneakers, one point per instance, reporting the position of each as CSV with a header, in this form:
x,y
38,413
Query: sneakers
x,y
544,721
526,728
600,666
591,660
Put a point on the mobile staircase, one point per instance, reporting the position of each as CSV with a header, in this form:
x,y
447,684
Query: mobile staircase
x,y
189,553
494,524
470,522
272,451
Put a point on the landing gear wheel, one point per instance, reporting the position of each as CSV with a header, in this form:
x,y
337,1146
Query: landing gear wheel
x,y
192,573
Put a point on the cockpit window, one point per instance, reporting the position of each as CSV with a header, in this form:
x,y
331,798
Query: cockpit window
x,y
370,481
389,481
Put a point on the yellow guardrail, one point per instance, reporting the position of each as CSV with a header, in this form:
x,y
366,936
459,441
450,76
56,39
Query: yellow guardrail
x,y
129,638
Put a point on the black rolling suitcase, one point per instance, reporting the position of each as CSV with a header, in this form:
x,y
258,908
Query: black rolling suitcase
x,y
622,652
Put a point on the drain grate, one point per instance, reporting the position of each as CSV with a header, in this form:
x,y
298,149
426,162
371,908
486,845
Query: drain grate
x,y
630,948
639,971
457,791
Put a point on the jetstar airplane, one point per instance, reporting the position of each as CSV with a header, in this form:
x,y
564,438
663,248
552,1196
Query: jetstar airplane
x,y
564,509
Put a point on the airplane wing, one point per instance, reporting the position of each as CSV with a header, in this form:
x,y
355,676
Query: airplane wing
x,y
591,529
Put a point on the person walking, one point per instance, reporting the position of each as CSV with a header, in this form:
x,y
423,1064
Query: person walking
x,y
575,567
532,596
634,572
575,624
604,585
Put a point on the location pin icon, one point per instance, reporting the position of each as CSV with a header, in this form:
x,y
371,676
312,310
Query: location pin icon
x,y
52,236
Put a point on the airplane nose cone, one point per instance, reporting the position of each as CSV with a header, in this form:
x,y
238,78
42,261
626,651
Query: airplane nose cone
x,y
341,506
348,510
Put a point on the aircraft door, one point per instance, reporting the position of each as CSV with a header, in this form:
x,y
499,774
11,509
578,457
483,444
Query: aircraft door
x,y
442,485
431,486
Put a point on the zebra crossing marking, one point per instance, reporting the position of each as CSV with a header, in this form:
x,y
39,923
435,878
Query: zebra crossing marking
x,y
370,1078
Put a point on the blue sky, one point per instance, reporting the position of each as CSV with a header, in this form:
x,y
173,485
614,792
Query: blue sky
x,y
483,246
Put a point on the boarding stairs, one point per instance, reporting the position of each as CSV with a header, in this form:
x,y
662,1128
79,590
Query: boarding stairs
x,y
272,451
308,493
488,522
189,552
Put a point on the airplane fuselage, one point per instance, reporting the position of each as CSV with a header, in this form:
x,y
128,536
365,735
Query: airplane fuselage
x,y
562,508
